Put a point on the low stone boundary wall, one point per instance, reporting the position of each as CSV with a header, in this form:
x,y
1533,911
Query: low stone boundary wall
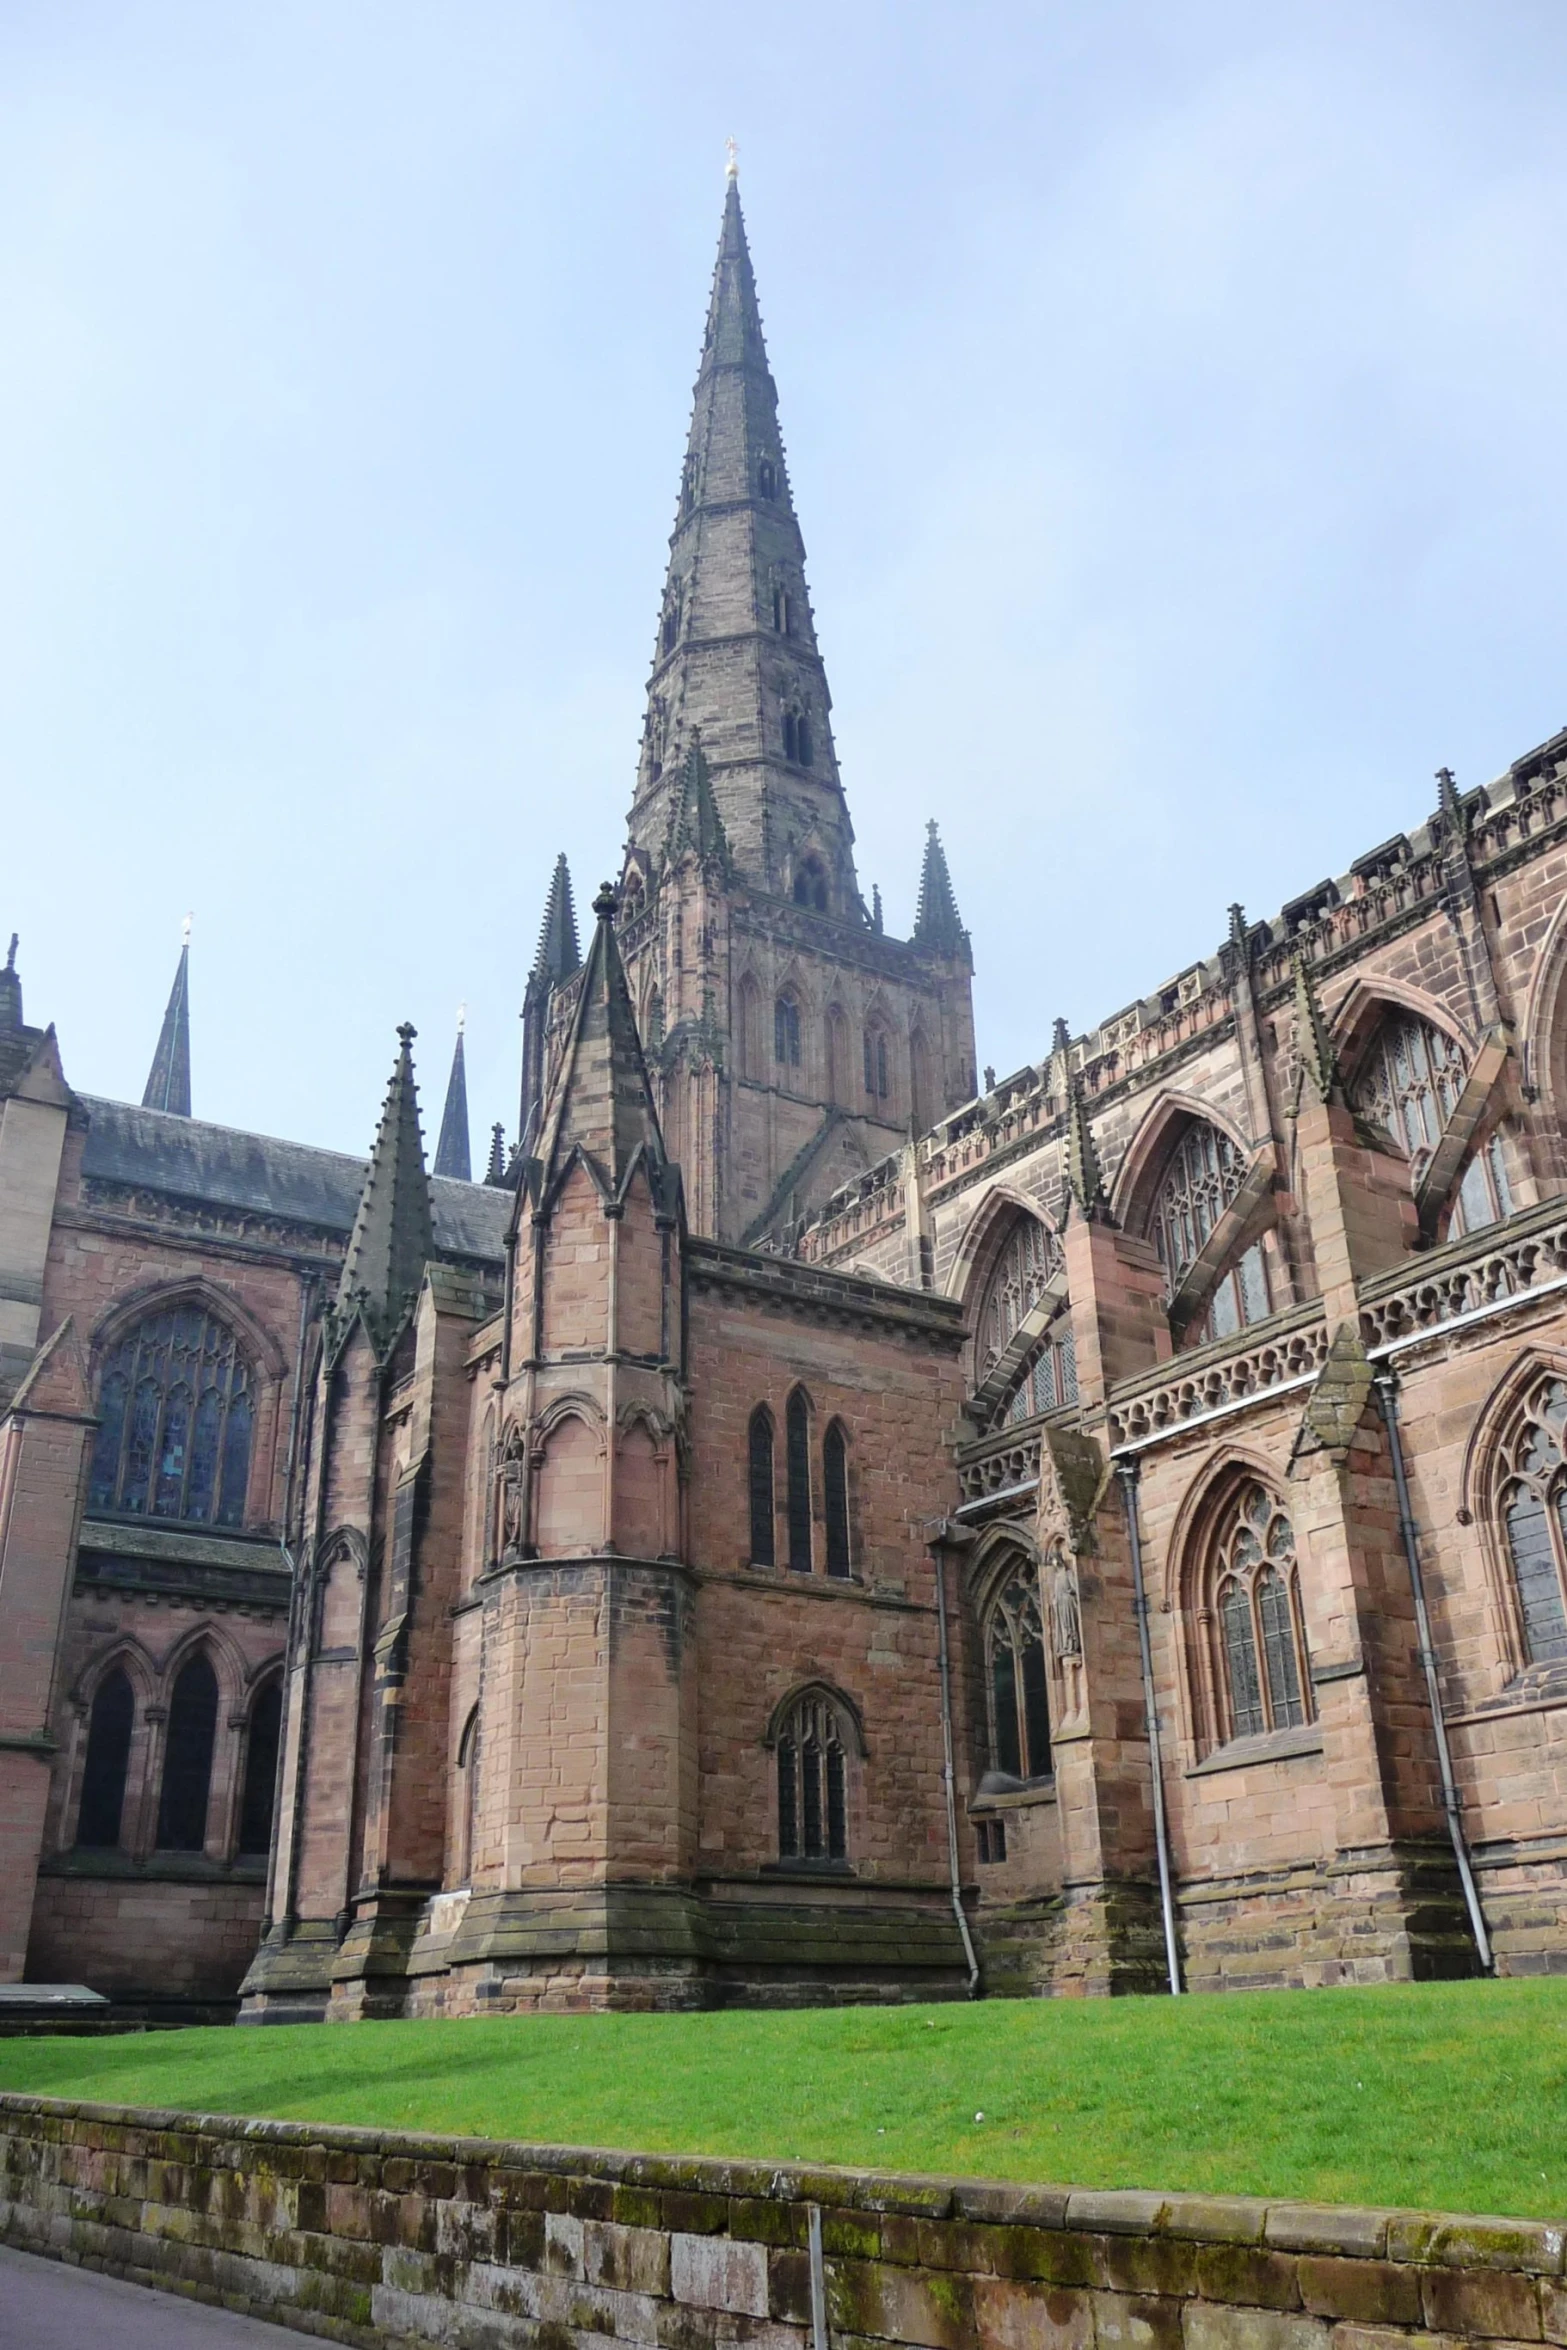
x,y
370,2237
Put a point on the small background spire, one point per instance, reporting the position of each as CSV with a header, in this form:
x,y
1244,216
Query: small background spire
x,y
168,1081
452,1151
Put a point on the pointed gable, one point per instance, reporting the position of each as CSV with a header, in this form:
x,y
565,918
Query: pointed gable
x,y
57,1384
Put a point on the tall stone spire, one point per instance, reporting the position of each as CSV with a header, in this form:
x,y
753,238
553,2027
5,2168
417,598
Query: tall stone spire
x,y
11,990
601,1103
936,924
452,1151
391,1239
168,1084
559,958
736,655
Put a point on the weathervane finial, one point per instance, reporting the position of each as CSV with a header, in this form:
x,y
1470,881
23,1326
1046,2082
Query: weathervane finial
x,y
732,150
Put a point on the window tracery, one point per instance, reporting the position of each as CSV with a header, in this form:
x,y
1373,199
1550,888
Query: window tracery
x,y
1015,1678
813,1783
176,1410
1484,1193
1409,1085
1260,1650
1028,1260
1533,1508
1203,1175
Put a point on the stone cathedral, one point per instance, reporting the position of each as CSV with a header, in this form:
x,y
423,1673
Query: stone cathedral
x,y
810,1524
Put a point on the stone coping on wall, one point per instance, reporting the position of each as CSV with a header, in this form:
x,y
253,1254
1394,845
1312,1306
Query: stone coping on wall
x,y
370,2236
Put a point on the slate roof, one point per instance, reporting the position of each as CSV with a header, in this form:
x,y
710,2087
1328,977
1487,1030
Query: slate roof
x,y
192,1160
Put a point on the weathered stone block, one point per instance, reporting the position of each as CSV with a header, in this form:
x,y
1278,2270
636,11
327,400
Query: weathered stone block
x,y
714,2272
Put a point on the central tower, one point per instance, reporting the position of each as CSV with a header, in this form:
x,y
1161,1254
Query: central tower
x,y
792,1044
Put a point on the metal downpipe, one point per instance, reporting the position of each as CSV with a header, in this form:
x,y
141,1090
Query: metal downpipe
x,y
1387,1400
955,1878
1127,1471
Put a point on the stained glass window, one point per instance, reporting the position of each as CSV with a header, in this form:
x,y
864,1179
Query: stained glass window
x,y
1019,1694
813,1794
109,1727
187,1758
797,1470
1410,1084
1533,1494
175,1409
760,1478
835,1495
1261,1649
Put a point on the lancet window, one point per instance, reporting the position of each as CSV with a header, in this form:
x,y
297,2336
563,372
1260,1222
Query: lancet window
x,y
813,1783
786,1031
187,1757
262,1733
1203,1175
1261,1647
797,1479
797,738
835,1497
1533,1496
1485,1195
759,1475
783,609
877,1078
1409,1085
1015,1677
109,1727
175,1408
767,478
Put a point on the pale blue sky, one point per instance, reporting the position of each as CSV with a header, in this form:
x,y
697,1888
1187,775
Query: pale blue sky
x,y
1174,398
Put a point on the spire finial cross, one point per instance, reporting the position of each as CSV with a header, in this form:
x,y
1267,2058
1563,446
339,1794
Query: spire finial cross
x,y
462,1018
732,152
185,930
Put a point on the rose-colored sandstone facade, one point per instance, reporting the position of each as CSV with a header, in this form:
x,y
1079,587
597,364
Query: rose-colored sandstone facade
x,y
1119,1533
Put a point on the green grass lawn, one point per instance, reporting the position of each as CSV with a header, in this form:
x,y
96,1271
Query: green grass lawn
x,y
1451,2096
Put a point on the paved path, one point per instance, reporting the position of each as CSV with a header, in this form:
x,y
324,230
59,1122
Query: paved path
x,y
47,2306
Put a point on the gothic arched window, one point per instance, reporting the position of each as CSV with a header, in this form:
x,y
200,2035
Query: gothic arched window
x,y
1204,1172
786,1031
813,1783
109,1728
1409,1085
1260,1647
767,478
1533,1491
877,1076
1015,1678
262,1733
1029,1257
759,1476
187,1757
838,1058
468,1774
810,885
175,1412
783,609
749,1026
669,626
835,1497
797,1478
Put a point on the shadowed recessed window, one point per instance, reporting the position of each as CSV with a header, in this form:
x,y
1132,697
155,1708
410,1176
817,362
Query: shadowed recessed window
x,y
1261,1648
760,1474
175,1422
835,1497
797,1470
810,885
876,1072
813,1792
187,1758
109,1729
767,478
786,1031
261,1744
1019,1695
